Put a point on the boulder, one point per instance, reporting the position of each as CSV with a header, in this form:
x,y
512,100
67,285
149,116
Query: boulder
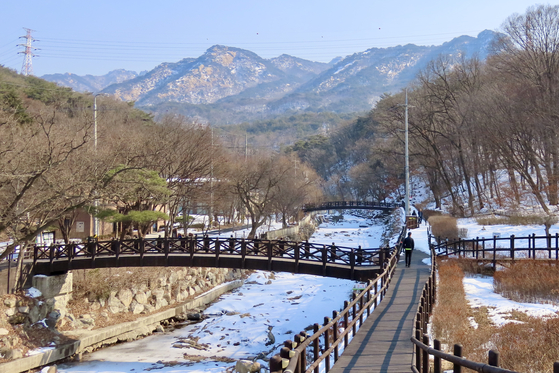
x,y
11,311
10,302
125,296
115,305
136,308
247,366
141,297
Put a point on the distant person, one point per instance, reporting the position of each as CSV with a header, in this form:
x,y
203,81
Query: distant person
x,y
408,246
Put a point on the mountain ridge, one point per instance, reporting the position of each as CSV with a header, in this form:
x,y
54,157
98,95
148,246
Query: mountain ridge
x,y
229,84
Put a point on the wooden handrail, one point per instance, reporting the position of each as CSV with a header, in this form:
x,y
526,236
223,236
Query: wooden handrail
x,y
420,362
292,363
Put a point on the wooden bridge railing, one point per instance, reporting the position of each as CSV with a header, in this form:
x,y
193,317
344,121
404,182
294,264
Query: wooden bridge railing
x,y
332,256
350,205
421,361
328,340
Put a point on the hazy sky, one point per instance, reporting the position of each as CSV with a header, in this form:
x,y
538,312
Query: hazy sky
x,y
95,37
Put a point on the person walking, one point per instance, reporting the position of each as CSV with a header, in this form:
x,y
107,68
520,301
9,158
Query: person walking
x,y
408,246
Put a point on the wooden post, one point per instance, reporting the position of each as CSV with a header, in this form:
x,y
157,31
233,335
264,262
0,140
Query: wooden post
x,y
512,247
231,245
217,246
437,360
324,259
493,358
353,316
457,352
297,256
270,255
417,348
352,263
425,354
316,347
534,245
346,323
360,308
335,335
368,300
326,345
477,247
303,358
276,364
243,253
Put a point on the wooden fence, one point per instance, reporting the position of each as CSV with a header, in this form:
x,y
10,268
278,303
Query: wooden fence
x,y
500,248
423,351
329,339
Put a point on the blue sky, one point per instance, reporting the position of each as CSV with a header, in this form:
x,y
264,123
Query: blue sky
x,y
95,37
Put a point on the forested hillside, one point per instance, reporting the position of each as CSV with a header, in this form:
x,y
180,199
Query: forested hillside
x,y
58,157
483,134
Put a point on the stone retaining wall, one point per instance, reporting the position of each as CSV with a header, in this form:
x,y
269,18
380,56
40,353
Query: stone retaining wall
x,y
88,340
47,305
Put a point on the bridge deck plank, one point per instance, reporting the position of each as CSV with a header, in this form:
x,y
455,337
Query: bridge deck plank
x,y
383,342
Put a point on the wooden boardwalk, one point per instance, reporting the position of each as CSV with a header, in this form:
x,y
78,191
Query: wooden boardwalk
x,y
383,342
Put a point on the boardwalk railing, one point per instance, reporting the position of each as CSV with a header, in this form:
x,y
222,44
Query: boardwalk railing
x,y
422,353
500,248
350,205
330,339
299,257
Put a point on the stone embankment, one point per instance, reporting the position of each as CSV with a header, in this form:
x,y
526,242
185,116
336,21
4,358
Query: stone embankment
x,y
46,315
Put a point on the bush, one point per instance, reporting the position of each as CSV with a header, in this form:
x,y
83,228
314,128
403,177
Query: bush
x,y
428,213
444,226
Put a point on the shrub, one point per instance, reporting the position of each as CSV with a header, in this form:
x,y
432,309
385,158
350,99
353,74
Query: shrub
x,y
444,226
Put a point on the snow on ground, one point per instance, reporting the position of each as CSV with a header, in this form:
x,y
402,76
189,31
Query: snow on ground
x,y
239,322
237,326
352,231
479,289
474,230
288,303
479,293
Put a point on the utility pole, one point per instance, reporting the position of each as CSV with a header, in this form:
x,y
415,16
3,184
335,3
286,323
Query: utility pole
x,y
27,67
407,169
407,157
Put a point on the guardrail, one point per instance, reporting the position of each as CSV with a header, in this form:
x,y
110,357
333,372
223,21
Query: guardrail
x,y
330,339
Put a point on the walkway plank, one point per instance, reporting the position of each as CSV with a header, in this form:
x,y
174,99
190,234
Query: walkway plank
x,y
383,342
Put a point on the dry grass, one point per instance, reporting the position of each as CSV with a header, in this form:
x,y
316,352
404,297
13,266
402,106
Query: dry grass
x,y
529,281
512,220
96,284
444,226
531,346
527,345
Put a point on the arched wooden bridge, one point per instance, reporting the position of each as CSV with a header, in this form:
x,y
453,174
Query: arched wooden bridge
x,y
381,343
339,205
288,256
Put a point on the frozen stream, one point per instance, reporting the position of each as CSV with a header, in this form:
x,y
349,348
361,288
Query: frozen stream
x,y
240,321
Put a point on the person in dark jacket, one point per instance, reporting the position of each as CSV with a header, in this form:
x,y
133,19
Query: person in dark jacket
x,y
408,246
